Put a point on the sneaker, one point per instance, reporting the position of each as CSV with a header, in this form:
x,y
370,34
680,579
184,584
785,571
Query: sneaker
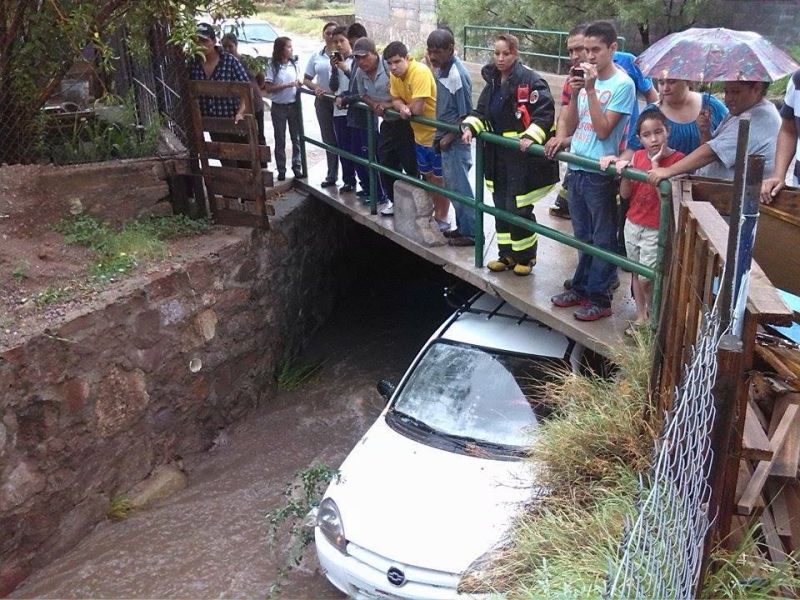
x,y
560,212
460,240
567,299
504,263
443,225
452,233
523,269
363,194
592,312
327,183
346,188
281,176
614,285
388,210
298,174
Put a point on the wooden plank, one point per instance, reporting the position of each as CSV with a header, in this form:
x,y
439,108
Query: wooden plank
x,y
774,544
217,89
763,299
232,151
780,510
696,285
755,443
791,496
238,218
751,493
744,475
776,363
786,461
231,189
218,125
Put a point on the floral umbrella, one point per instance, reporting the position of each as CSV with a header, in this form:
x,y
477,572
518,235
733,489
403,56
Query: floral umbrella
x,y
719,54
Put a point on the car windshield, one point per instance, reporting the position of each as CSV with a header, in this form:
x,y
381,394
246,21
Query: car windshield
x,y
254,32
467,392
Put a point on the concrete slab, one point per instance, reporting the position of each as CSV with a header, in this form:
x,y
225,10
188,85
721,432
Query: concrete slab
x,y
531,294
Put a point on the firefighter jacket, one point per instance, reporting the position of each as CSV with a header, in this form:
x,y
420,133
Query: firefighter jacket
x,y
503,110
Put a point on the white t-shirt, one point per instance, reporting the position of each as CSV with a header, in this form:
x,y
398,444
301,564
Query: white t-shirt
x,y
617,93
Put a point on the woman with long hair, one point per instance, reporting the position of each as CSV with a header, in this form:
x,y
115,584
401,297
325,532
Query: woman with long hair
x,y
317,78
516,103
283,83
691,116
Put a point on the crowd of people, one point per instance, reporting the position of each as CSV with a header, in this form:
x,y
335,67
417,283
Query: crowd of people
x,y
678,131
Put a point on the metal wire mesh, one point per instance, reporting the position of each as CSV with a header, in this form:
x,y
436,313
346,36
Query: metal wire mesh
x,y
75,127
661,551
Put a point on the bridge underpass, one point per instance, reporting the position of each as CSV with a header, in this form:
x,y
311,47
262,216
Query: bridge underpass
x,y
555,263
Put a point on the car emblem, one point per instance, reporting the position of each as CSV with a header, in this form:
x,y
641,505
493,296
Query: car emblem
x,y
396,576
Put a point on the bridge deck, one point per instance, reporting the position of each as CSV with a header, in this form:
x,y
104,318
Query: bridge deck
x,y
531,294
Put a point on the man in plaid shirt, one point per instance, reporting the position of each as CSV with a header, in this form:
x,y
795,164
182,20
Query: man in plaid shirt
x,y
217,65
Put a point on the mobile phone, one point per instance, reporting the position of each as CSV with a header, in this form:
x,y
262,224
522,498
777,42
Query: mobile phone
x,y
337,56
578,72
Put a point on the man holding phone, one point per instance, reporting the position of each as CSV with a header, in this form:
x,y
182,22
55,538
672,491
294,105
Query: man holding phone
x,y
597,119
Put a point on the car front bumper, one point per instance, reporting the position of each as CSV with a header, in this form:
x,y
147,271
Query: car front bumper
x,y
364,577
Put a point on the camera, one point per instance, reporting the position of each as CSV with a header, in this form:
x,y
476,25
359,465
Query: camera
x,y
578,72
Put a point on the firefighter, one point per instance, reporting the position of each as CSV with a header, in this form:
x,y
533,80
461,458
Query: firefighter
x,y
515,103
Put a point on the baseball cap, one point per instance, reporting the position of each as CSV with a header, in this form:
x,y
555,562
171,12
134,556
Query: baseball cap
x,y
364,46
206,31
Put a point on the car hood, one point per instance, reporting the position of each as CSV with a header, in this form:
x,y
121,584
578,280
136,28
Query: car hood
x,y
422,506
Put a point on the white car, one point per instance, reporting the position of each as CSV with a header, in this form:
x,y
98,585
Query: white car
x,y
256,37
437,480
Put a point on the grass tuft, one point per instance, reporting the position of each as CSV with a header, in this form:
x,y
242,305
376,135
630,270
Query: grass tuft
x,y
20,271
120,508
305,17
53,294
120,252
292,374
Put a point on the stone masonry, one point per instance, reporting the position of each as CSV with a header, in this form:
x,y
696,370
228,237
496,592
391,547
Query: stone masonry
x,y
409,21
91,405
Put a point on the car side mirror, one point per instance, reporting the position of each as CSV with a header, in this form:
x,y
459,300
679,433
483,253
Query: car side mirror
x,y
386,389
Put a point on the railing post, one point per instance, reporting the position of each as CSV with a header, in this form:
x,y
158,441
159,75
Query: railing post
x,y
479,168
664,229
373,175
303,157
465,42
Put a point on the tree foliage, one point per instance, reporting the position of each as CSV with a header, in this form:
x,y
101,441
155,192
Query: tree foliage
x,y
665,16
41,39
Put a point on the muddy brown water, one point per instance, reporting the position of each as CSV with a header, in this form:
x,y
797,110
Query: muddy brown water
x,y
211,539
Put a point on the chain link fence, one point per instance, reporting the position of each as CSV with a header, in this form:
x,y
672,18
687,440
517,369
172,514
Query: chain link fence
x,y
662,548
135,109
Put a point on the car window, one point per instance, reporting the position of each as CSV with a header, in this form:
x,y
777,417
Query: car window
x,y
257,32
470,392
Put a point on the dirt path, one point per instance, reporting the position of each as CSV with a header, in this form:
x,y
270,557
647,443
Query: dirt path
x,y
210,540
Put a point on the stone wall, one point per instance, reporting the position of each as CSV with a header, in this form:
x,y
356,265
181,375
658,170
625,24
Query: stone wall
x,y
90,405
409,21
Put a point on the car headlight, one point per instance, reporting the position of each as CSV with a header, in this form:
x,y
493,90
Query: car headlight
x,y
330,524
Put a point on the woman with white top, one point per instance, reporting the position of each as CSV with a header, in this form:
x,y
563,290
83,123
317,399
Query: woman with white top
x,y
282,83
317,78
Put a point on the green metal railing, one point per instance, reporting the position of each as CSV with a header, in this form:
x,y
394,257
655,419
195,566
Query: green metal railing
x,y
665,192
560,41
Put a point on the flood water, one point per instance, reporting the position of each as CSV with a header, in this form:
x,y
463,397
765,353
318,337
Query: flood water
x,y
211,539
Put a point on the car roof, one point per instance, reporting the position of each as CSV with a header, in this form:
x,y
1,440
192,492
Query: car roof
x,y
490,322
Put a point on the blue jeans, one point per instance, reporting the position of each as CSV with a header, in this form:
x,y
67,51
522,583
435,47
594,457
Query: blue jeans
x,y
456,163
592,206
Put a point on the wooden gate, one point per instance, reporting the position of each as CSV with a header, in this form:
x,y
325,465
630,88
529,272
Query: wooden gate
x,y
236,190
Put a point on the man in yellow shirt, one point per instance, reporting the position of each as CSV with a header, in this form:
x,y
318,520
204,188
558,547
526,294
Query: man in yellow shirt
x,y
413,91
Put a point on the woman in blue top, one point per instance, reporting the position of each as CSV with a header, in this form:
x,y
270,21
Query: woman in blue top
x,y
692,116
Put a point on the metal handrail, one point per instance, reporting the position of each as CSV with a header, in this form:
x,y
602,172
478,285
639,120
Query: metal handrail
x,y
655,274
561,37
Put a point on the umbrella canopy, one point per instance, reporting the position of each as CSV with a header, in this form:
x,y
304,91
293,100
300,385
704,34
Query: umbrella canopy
x,y
715,55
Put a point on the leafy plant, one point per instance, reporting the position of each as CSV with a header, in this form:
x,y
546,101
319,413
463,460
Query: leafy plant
x,y
120,252
20,271
302,494
294,373
120,508
53,294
